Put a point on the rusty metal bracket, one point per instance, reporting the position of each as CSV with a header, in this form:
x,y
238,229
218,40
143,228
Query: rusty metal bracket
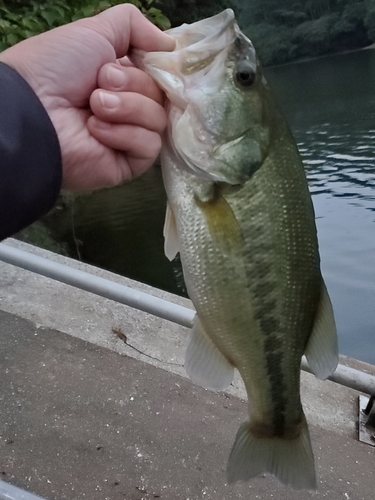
x,y
366,420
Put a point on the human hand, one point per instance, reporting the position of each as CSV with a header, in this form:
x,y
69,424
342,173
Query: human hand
x,y
108,115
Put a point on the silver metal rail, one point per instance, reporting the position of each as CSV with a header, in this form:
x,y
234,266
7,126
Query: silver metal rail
x,y
99,286
343,375
349,377
10,492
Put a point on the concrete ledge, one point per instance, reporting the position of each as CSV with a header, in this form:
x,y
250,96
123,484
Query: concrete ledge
x,y
50,304
84,368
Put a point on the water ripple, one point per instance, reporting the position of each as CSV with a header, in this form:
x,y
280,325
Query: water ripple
x,y
334,128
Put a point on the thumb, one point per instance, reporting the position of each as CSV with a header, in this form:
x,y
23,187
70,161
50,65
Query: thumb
x,y
125,26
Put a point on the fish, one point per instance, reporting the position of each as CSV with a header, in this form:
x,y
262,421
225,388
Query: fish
x,y
241,217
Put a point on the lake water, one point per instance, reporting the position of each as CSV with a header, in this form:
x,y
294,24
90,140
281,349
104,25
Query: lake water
x,y
330,104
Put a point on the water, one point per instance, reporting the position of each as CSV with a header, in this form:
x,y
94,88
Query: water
x,y
330,104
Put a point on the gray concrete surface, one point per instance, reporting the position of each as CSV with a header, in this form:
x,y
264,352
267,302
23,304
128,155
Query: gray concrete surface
x,y
83,415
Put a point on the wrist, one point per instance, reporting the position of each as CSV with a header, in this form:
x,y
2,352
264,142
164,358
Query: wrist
x,y
30,166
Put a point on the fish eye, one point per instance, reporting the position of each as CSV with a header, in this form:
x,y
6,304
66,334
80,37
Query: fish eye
x,y
245,74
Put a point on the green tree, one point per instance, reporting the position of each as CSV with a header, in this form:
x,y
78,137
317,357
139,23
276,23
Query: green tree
x,y
274,46
313,37
369,19
21,19
349,32
188,11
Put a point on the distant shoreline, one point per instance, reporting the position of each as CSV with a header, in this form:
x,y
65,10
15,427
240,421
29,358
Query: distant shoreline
x,y
331,54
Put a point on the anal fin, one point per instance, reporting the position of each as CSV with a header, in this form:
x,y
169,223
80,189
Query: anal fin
x,y
322,348
205,364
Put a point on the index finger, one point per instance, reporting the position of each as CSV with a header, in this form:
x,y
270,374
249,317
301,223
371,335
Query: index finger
x,y
125,26
133,80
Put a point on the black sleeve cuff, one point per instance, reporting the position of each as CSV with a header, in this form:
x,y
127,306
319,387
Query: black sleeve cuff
x,y
30,157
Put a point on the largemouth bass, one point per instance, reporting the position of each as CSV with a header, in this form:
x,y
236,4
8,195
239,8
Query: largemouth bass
x,y
241,217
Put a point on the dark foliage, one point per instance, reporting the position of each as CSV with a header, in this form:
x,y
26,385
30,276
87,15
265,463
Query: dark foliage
x,y
283,31
21,19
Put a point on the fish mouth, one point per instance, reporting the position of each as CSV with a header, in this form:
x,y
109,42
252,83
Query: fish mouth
x,y
194,45
189,35
201,49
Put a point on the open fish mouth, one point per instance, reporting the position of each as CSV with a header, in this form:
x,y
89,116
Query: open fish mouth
x,y
197,78
197,46
208,30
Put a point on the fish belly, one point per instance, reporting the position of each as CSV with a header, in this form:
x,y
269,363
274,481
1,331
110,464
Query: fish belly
x,y
252,272
255,299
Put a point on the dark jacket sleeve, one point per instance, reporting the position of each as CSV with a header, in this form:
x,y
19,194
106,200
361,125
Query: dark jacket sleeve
x,y
30,157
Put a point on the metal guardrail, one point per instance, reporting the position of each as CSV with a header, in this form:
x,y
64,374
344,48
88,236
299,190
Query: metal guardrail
x,y
343,375
10,492
97,285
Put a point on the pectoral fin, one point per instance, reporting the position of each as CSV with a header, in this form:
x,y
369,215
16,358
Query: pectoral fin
x,y
322,349
171,242
205,364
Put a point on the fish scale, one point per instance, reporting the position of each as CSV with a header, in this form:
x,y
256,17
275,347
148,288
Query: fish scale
x,y
241,217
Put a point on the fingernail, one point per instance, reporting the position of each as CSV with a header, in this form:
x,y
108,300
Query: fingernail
x,y
116,77
109,100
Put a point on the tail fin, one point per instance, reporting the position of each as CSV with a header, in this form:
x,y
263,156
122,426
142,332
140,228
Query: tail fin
x,y
290,460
